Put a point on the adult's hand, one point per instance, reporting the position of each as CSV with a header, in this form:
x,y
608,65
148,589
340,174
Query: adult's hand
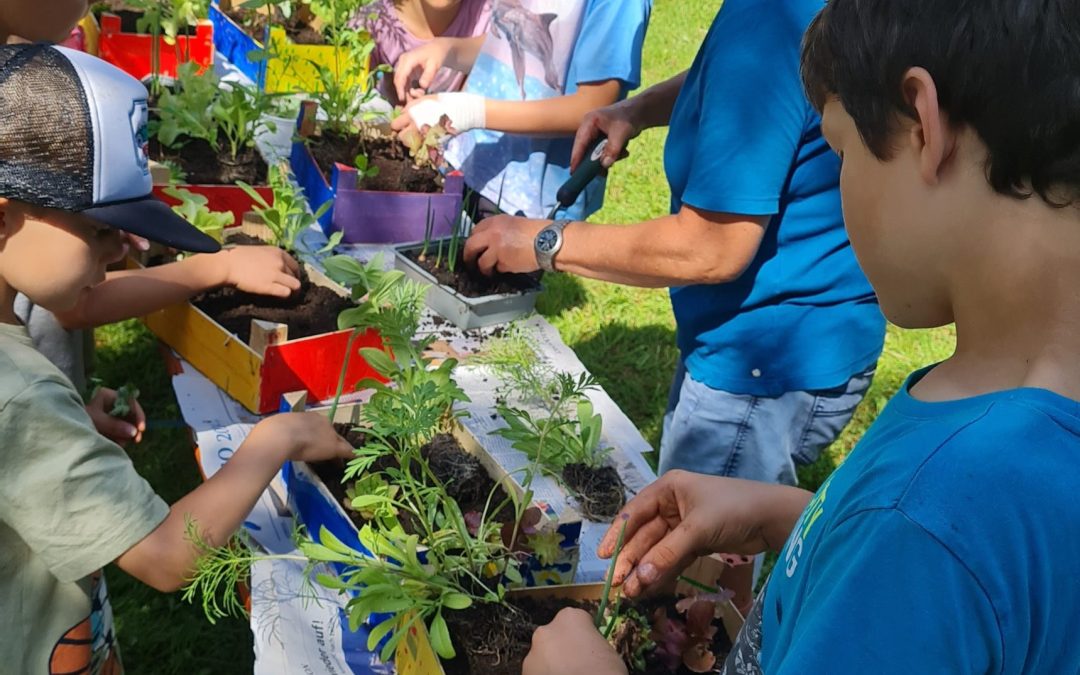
x,y
263,270
571,645
504,244
119,430
683,516
618,121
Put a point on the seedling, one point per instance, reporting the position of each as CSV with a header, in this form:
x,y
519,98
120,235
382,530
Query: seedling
x,y
367,170
426,146
201,108
288,217
605,597
193,208
126,396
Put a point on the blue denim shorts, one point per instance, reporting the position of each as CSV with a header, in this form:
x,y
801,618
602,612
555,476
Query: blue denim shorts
x,y
753,437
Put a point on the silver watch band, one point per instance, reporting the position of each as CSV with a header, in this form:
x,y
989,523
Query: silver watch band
x,y
545,255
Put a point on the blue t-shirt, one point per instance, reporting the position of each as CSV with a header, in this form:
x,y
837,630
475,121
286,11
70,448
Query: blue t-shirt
x,y
538,49
948,542
745,140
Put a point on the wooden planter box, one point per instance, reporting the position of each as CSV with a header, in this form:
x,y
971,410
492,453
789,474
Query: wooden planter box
x,y
293,68
369,216
416,656
218,197
258,374
316,506
132,52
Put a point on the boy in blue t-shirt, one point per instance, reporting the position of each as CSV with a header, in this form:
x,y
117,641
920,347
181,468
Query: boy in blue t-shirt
x,y
543,65
948,541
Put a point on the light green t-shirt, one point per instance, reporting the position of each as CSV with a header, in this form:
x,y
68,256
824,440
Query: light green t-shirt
x,y
70,502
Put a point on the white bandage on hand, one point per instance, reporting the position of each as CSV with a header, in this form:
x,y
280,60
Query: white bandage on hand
x,y
466,111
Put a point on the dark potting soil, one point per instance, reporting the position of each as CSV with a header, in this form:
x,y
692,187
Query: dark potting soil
x,y
254,24
493,639
312,310
202,164
468,281
599,491
397,173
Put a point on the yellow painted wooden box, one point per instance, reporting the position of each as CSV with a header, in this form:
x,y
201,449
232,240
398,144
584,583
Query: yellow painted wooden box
x,y
258,374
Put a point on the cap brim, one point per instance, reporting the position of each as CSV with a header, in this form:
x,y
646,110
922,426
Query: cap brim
x,y
155,220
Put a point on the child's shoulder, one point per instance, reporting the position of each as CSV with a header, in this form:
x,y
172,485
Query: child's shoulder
x,y
24,370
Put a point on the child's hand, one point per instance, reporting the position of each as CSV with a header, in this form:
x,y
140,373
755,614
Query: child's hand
x,y
119,430
617,121
263,270
571,645
683,516
465,112
304,437
416,69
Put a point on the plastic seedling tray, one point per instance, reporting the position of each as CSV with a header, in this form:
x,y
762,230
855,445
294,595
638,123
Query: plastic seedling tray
x,y
462,311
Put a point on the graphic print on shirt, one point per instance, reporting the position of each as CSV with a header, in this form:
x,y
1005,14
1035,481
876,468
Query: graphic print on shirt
x,y
814,510
89,647
527,34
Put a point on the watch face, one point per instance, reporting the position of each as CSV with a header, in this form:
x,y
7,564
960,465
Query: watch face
x,y
546,240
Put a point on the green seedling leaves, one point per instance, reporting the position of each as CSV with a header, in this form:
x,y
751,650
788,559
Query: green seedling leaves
x,y
125,400
440,637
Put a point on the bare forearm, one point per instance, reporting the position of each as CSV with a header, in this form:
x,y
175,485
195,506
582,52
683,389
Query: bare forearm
x,y
783,512
132,293
552,116
653,106
166,558
673,250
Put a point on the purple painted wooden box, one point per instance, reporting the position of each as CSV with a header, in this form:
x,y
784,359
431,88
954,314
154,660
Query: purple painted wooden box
x,y
369,217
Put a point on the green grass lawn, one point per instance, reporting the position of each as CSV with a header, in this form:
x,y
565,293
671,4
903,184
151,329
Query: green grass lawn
x,y
625,336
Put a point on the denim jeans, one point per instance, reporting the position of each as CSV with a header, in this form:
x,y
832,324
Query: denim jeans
x,y
753,437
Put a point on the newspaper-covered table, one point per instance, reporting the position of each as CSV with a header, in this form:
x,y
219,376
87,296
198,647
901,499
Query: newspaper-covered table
x,y
297,624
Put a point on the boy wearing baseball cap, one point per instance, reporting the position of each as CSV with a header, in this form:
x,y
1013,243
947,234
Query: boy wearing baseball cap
x,y
73,181
263,270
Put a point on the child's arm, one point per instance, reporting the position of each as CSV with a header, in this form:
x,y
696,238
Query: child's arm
x,y
415,70
266,270
685,515
558,116
166,557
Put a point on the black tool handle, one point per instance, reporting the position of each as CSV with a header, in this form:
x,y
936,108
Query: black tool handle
x,y
589,168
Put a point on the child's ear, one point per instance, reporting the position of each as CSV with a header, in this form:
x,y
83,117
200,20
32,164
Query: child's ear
x,y
931,135
4,203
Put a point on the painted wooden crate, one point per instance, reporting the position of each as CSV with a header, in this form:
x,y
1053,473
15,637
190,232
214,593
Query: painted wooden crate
x,y
416,656
133,52
290,68
369,216
259,373
218,197
316,506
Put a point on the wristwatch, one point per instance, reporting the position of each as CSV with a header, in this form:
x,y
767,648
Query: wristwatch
x,y
547,244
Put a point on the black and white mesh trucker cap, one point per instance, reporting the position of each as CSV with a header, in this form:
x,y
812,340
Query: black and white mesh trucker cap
x,y
73,137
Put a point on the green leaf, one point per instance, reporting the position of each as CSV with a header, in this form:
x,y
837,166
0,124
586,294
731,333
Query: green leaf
x,y
379,632
380,361
332,241
456,601
440,637
366,501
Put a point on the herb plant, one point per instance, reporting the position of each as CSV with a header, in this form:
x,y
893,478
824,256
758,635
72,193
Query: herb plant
x,y
288,216
193,208
200,108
